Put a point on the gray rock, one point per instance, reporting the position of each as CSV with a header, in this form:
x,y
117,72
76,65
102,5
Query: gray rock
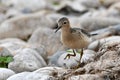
x,y
94,45
15,27
3,9
108,2
54,58
27,60
19,76
2,17
48,38
12,40
104,67
96,13
4,51
88,56
86,77
73,6
104,42
94,23
114,10
46,73
13,13
80,5
106,62
40,49
5,73
10,46
21,4
75,61
101,33
97,3
90,3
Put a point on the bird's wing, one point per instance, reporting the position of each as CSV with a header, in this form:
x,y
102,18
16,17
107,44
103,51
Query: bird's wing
x,y
79,31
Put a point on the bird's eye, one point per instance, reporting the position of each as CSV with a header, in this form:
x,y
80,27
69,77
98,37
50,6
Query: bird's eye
x,y
65,22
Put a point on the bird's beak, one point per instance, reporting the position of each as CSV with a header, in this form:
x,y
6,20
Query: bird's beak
x,y
58,28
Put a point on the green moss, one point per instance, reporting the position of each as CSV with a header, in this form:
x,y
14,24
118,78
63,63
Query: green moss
x,y
4,60
56,3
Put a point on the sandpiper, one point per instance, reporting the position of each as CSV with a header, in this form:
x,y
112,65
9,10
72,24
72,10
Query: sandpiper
x,y
74,38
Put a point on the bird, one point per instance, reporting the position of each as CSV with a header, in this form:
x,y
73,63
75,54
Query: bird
x,y
74,38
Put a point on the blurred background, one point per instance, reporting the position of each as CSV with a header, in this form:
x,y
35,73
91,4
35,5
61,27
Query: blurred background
x,y
28,40
20,18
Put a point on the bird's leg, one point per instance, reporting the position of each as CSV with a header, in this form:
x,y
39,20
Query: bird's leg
x,y
74,53
81,54
68,55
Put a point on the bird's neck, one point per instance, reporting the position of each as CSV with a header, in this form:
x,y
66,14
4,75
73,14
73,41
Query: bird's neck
x,y
66,31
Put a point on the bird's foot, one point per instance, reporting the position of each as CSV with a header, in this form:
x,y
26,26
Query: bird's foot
x,y
69,55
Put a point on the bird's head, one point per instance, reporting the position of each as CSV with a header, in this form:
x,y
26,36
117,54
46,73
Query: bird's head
x,y
62,23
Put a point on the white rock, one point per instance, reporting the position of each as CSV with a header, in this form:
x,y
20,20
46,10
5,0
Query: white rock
x,y
12,40
4,51
106,61
34,5
54,58
95,23
96,3
23,26
5,73
48,38
46,73
27,60
109,2
40,49
13,13
104,42
88,56
2,17
74,61
11,45
19,76
86,77
75,5
90,3
114,10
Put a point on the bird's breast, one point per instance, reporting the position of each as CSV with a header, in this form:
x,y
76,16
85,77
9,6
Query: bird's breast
x,y
75,42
